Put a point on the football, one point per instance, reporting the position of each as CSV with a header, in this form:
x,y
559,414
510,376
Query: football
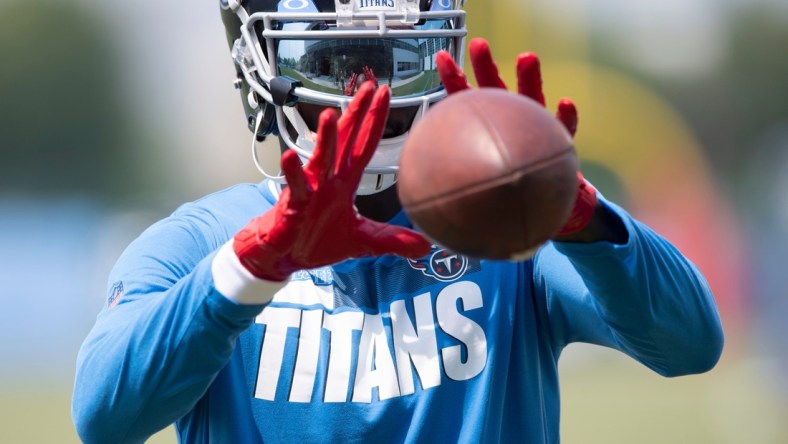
x,y
489,174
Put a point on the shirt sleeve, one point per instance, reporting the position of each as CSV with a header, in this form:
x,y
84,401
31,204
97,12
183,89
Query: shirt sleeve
x,y
164,334
642,297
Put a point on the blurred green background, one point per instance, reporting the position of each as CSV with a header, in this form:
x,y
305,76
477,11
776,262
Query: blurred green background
x,y
112,113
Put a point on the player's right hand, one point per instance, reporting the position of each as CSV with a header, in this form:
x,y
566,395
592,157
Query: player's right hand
x,y
314,223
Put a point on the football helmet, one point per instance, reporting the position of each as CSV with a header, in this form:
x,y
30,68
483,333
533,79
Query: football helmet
x,y
294,57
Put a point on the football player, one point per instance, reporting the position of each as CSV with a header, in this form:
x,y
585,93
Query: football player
x,y
306,308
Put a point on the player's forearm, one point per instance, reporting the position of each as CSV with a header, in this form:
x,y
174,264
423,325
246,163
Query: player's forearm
x,y
605,226
149,360
657,303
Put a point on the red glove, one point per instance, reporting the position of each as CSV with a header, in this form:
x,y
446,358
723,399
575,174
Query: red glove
x,y
370,75
529,83
314,223
350,88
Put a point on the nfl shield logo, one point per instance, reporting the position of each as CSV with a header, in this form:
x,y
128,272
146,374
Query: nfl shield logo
x,y
115,293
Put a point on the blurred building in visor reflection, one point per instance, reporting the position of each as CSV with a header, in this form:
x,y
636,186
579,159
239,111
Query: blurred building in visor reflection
x,y
339,66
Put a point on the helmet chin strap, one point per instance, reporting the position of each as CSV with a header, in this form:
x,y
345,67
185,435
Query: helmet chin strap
x,y
375,183
380,174
279,178
386,156
305,144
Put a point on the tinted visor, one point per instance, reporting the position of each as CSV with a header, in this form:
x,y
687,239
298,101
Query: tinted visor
x,y
339,66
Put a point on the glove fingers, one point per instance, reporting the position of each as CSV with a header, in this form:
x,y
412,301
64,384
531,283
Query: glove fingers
x,y
529,77
351,85
567,114
378,238
451,75
349,124
370,75
324,156
584,208
370,133
484,66
294,174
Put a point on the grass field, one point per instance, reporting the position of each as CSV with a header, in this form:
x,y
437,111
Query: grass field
x,y
306,82
615,400
606,398
426,82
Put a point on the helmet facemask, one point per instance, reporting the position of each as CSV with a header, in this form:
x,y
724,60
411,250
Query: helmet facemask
x,y
298,55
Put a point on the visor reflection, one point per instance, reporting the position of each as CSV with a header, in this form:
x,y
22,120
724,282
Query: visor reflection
x,y
339,66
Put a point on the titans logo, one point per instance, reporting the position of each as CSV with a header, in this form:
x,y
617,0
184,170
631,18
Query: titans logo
x,y
441,264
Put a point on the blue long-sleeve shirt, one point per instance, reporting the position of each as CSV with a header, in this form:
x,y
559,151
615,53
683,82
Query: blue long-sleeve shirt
x,y
385,349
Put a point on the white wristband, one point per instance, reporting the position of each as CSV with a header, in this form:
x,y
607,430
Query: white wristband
x,y
236,283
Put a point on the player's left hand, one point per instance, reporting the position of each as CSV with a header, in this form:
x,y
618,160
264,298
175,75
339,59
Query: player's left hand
x,y
314,222
529,84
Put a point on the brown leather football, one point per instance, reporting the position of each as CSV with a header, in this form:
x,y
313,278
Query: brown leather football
x,y
489,174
